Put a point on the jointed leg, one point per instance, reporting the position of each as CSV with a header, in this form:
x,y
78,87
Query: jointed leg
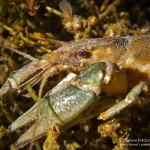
x,y
131,98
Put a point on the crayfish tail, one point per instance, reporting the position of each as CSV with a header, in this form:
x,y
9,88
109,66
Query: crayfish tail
x,y
23,120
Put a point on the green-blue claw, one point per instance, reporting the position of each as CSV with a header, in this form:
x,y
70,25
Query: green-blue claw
x,y
62,106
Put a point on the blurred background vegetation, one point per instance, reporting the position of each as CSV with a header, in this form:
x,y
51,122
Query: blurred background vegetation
x,y
37,27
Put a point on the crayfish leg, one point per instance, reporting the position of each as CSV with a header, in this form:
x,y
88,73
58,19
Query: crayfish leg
x,y
131,98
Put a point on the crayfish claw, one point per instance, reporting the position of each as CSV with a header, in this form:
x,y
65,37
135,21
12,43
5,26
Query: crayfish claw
x,y
23,120
41,130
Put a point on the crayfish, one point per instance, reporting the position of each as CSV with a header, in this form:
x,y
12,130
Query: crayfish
x,y
116,65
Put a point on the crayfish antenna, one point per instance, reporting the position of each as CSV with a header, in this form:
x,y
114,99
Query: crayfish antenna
x,y
23,120
20,53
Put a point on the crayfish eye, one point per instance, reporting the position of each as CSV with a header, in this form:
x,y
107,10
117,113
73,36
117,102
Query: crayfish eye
x,y
82,54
